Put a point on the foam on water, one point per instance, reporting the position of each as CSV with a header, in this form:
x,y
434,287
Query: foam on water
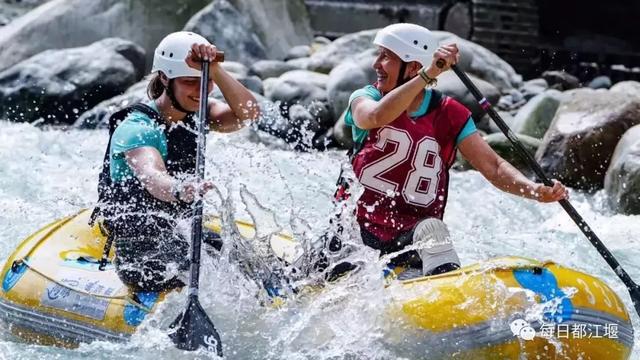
x,y
45,175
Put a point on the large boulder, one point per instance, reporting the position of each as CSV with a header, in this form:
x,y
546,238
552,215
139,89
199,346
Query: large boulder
x,y
350,75
483,63
631,88
98,116
297,86
59,85
501,145
60,24
271,68
231,31
534,118
344,47
622,182
561,80
578,146
280,24
451,85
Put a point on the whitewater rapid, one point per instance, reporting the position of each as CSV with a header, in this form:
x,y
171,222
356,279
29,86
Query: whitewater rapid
x,y
48,174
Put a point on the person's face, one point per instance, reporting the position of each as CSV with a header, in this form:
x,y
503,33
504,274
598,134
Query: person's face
x,y
387,66
187,92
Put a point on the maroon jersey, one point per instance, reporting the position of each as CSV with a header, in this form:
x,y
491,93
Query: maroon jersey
x,y
404,168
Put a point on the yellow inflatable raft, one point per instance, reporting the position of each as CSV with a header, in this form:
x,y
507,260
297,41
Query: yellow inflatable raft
x,y
54,293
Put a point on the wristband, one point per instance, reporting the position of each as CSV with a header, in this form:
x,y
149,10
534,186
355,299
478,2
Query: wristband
x,y
431,82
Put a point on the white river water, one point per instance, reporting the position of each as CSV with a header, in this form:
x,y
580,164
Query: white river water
x,y
48,174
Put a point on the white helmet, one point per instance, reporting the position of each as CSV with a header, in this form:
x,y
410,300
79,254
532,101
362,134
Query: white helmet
x,y
171,52
409,41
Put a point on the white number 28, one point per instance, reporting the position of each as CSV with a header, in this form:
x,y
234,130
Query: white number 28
x,y
421,184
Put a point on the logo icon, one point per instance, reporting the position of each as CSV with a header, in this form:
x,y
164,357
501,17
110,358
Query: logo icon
x,y
522,329
211,343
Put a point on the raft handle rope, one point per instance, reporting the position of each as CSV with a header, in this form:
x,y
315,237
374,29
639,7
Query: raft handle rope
x,y
632,287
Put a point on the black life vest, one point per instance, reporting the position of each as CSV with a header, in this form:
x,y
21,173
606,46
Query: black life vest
x,y
126,207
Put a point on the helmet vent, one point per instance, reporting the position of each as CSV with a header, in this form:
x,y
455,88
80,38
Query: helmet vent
x,y
425,47
163,53
415,42
171,55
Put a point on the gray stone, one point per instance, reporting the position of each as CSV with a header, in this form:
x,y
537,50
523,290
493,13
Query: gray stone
x,y
223,25
60,24
300,63
600,82
533,87
622,181
451,85
280,24
578,146
344,47
534,118
59,85
235,68
483,63
561,80
492,127
297,52
270,68
294,87
350,75
631,88
252,83
98,116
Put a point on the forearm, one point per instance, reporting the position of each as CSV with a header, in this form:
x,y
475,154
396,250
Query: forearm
x,y
509,179
240,100
159,184
395,103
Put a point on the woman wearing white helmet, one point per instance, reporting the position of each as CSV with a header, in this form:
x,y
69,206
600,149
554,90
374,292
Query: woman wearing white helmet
x,y
146,184
406,138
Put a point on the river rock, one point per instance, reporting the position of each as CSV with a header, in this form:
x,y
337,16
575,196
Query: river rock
x,y
534,118
533,87
300,63
298,86
578,146
342,133
223,25
350,75
98,116
344,47
235,68
297,52
622,181
561,80
271,68
631,88
60,24
280,24
451,85
600,82
483,63
59,85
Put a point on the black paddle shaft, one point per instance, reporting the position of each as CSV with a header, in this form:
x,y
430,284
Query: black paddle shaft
x,y
193,328
634,290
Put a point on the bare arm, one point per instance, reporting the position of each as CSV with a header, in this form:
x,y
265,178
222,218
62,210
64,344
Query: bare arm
x,y
241,104
148,166
503,175
370,114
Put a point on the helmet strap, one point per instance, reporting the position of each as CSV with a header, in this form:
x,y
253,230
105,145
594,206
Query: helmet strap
x,y
174,100
401,78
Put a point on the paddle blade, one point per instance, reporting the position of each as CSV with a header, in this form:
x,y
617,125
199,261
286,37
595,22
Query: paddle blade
x,y
194,330
635,297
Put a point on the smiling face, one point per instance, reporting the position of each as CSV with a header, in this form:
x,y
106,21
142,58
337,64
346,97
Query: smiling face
x,y
187,91
387,66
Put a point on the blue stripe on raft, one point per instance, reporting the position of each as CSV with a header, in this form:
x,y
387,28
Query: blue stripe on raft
x,y
544,283
134,315
14,274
